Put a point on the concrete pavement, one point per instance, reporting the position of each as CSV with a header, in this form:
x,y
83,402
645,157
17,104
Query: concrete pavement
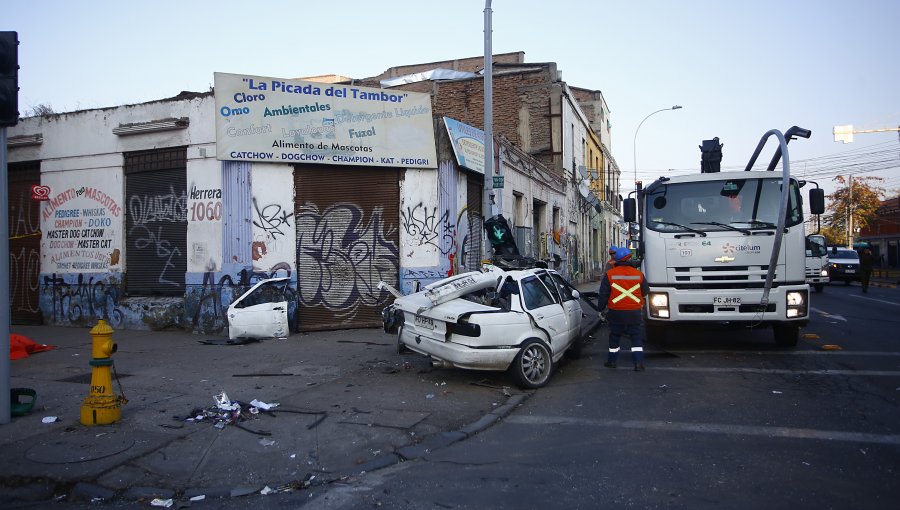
x,y
348,403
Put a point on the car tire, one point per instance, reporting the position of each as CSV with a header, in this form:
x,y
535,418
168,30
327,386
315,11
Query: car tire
x,y
786,335
533,365
820,287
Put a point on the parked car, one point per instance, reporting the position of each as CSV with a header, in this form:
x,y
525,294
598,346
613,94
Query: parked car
x,y
520,321
843,265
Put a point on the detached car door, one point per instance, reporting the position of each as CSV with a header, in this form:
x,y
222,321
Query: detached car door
x,y
261,312
546,310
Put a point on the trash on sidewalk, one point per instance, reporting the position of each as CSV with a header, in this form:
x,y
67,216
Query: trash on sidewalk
x,y
162,502
831,347
49,419
21,346
19,407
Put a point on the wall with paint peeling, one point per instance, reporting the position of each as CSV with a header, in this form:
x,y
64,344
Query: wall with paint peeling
x,y
204,215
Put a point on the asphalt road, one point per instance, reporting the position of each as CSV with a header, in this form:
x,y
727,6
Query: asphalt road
x,y
721,419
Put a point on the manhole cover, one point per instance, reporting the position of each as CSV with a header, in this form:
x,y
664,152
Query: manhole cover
x,y
81,446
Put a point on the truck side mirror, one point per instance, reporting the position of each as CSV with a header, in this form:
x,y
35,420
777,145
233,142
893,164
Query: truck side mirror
x,y
817,201
629,210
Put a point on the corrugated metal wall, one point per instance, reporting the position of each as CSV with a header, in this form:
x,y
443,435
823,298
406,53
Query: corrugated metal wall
x,y
156,222
24,243
348,222
474,196
236,220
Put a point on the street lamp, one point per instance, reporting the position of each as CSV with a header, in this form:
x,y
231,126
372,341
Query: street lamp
x,y
634,144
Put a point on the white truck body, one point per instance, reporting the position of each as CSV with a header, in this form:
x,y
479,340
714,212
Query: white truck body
x,y
712,252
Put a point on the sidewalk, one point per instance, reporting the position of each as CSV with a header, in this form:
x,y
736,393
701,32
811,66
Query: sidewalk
x,y
348,403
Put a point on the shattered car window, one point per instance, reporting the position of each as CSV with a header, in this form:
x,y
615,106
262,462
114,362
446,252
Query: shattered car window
x,y
270,292
535,293
564,288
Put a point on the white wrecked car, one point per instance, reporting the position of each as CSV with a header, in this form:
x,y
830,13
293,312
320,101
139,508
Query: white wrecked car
x,y
261,312
520,321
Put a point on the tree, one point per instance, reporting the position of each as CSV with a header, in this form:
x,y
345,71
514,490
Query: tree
x,y
855,203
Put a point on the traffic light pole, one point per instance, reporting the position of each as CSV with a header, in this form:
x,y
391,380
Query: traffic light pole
x,y
5,399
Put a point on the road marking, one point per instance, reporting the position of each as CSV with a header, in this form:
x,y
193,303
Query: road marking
x,y
782,353
712,428
887,373
826,314
877,300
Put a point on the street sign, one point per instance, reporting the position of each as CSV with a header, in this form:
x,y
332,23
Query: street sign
x,y
498,181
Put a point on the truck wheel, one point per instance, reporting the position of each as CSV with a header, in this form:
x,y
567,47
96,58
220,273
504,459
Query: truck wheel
x,y
786,335
820,287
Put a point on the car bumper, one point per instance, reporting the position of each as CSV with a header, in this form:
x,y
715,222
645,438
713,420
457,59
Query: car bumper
x,y
454,354
717,305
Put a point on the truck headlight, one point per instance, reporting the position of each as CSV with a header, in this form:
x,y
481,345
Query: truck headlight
x,y
796,301
823,272
659,304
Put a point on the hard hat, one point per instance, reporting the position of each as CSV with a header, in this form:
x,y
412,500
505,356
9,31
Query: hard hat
x,y
623,254
612,249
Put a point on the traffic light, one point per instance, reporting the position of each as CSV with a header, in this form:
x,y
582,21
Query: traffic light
x,y
9,78
711,156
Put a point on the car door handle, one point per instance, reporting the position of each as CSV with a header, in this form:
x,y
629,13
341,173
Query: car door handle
x,y
278,308
539,317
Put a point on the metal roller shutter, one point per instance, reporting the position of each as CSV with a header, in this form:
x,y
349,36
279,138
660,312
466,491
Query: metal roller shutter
x,y
347,241
24,243
156,222
474,197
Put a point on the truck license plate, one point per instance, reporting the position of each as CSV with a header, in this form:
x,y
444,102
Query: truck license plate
x,y
424,322
850,271
719,300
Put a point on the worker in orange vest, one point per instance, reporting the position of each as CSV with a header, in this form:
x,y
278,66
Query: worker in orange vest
x,y
623,289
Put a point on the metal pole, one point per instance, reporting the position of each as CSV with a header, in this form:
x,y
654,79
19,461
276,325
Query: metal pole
x,y
488,119
634,142
488,192
5,303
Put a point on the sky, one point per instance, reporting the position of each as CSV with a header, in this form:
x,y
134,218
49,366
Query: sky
x,y
739,69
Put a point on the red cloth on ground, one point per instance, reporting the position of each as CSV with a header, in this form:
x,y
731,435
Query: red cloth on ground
x,y
22,346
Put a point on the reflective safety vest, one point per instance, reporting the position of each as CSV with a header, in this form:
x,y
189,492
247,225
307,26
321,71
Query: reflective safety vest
x,y
625,288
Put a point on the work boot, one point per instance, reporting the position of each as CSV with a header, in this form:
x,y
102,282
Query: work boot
x,y
610,364
639,368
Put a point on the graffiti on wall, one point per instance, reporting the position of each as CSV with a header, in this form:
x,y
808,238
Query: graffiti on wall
x,y
24,255
272,223
81,299
149,216
341,257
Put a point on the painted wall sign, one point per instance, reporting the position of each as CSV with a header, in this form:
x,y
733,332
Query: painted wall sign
x,y
468,144
82,222
294,121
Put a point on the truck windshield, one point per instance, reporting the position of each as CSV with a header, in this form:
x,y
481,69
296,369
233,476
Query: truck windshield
x,y
726,205
815,246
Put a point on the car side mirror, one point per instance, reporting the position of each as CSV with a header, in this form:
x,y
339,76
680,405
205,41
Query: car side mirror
x,y
576,294
817,201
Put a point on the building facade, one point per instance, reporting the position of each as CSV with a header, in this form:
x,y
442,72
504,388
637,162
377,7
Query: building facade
x,y
127,214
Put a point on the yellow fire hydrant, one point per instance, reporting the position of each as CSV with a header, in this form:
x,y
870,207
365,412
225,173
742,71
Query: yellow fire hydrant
x,y
101,407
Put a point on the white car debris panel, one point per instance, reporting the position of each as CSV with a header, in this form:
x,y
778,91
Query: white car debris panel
x,y
261,312
520,321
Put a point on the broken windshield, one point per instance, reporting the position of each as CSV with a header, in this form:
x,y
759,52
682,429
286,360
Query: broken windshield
x,y
734,204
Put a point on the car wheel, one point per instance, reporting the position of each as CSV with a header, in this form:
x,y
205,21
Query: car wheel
x,y
820,287
533,365
786,335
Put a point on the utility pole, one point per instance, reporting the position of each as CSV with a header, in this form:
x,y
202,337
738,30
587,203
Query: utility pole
x,y
850,215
